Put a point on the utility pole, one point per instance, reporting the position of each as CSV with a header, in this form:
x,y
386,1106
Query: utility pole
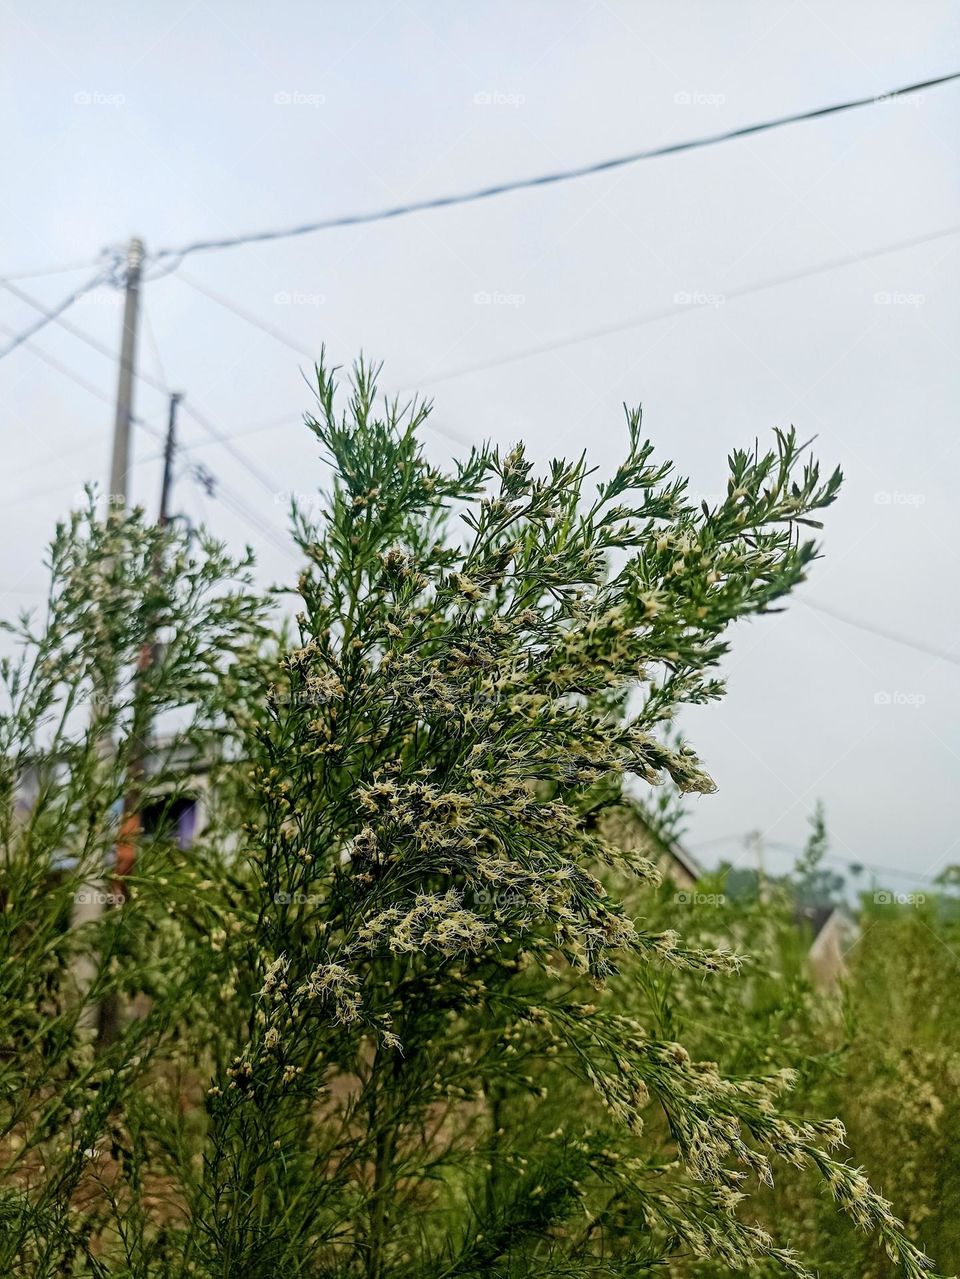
x,y
169,449
120,461
131,822
131,825
92,901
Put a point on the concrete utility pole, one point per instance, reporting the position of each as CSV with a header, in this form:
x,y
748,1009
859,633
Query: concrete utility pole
x,y
131,821
120,462
169,449
92,901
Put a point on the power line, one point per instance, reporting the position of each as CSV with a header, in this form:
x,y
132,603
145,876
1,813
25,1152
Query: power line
x,y
157,384
589,335
85,385
254,428
907,641
221,438
462,371
152,339
233,500
851,862
251,516
245,315
95,345
65,371
247,513
101,395
205,480
546,179
46,315
796,850
63,269
664,313
651,317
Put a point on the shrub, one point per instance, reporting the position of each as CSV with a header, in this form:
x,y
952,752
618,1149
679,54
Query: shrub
x,y
379,1023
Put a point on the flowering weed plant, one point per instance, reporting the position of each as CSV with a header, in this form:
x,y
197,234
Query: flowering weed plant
x,y
369,1023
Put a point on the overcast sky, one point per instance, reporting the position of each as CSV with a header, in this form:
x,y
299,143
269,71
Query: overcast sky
x,y
184,121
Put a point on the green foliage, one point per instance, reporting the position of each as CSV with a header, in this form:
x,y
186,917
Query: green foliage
x,y
898,1085
403,1009
813,884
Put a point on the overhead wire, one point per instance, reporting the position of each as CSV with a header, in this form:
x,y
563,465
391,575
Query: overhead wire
x,y
47,315
232,500
156,383
546,179
796,850
243,314
63,269
650,317
172,257
202,476
670,312
896,637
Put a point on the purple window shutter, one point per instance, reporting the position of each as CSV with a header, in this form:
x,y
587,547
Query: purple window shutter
x,y
187,824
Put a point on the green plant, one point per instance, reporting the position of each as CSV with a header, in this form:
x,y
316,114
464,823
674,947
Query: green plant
x,y
384,1029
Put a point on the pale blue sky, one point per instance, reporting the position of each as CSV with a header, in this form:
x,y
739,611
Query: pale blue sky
x,y
192,120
